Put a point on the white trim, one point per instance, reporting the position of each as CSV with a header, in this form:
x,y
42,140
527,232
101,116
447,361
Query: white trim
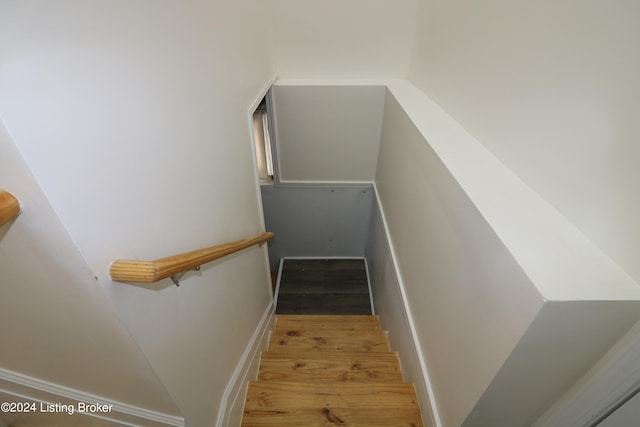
x,y
277,291
366,269
607,384
261,95
323,257
38,390
232,402
333,82
271,116
435,416
251,110
325,184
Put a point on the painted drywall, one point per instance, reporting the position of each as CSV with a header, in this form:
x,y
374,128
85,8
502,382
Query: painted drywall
x,y
316,222
627,415
480,252
344,39
391,306
57,323
327,133
608,383
456,270
133,118
552,90
549,248
564,341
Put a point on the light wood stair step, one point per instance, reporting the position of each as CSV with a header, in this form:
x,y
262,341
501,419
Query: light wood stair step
x,y
327,322
308,332
344,417
330,367
323,370
292,395
291,404
372,341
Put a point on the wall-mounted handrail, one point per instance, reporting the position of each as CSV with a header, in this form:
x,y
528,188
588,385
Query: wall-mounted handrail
x,y
9,207
124,270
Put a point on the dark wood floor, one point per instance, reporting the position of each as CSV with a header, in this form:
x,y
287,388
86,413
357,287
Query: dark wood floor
x,y
332,286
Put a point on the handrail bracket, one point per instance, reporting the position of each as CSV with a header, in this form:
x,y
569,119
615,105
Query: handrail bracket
x,y
176,277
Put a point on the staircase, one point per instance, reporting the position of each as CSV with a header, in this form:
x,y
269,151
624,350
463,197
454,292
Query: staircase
x,y
323,370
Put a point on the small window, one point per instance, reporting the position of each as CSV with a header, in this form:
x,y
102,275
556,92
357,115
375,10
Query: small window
x,y
261,137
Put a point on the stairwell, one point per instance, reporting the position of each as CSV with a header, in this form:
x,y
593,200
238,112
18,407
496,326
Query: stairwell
x,y
330,370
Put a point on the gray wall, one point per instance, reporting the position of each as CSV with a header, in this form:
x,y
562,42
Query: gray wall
x,y
327,134
317,221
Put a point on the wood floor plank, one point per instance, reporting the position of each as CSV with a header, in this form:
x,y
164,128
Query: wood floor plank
x,y
317,286
375,341
338,367
322,264
324,303
323,285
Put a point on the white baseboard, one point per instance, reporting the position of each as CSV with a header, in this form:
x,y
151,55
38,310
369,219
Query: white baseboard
x,y
232,403
324,184
411,357
366,270
21,386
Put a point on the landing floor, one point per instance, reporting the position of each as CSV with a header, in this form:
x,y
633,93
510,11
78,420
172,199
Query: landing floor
x,y
323,286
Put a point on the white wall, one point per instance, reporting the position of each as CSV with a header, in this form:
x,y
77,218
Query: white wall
x,y
390,304
503,292
327,133
551,89
625,416
464,288
134,120
57,323
344,39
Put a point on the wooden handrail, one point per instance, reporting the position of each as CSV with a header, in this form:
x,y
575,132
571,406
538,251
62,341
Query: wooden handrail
x,y
124,270
9,207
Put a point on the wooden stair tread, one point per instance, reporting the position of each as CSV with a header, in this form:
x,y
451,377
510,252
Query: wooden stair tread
x,y
372,357
328,322
323,370
346,417
310,332
330,367
293,395
372,341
